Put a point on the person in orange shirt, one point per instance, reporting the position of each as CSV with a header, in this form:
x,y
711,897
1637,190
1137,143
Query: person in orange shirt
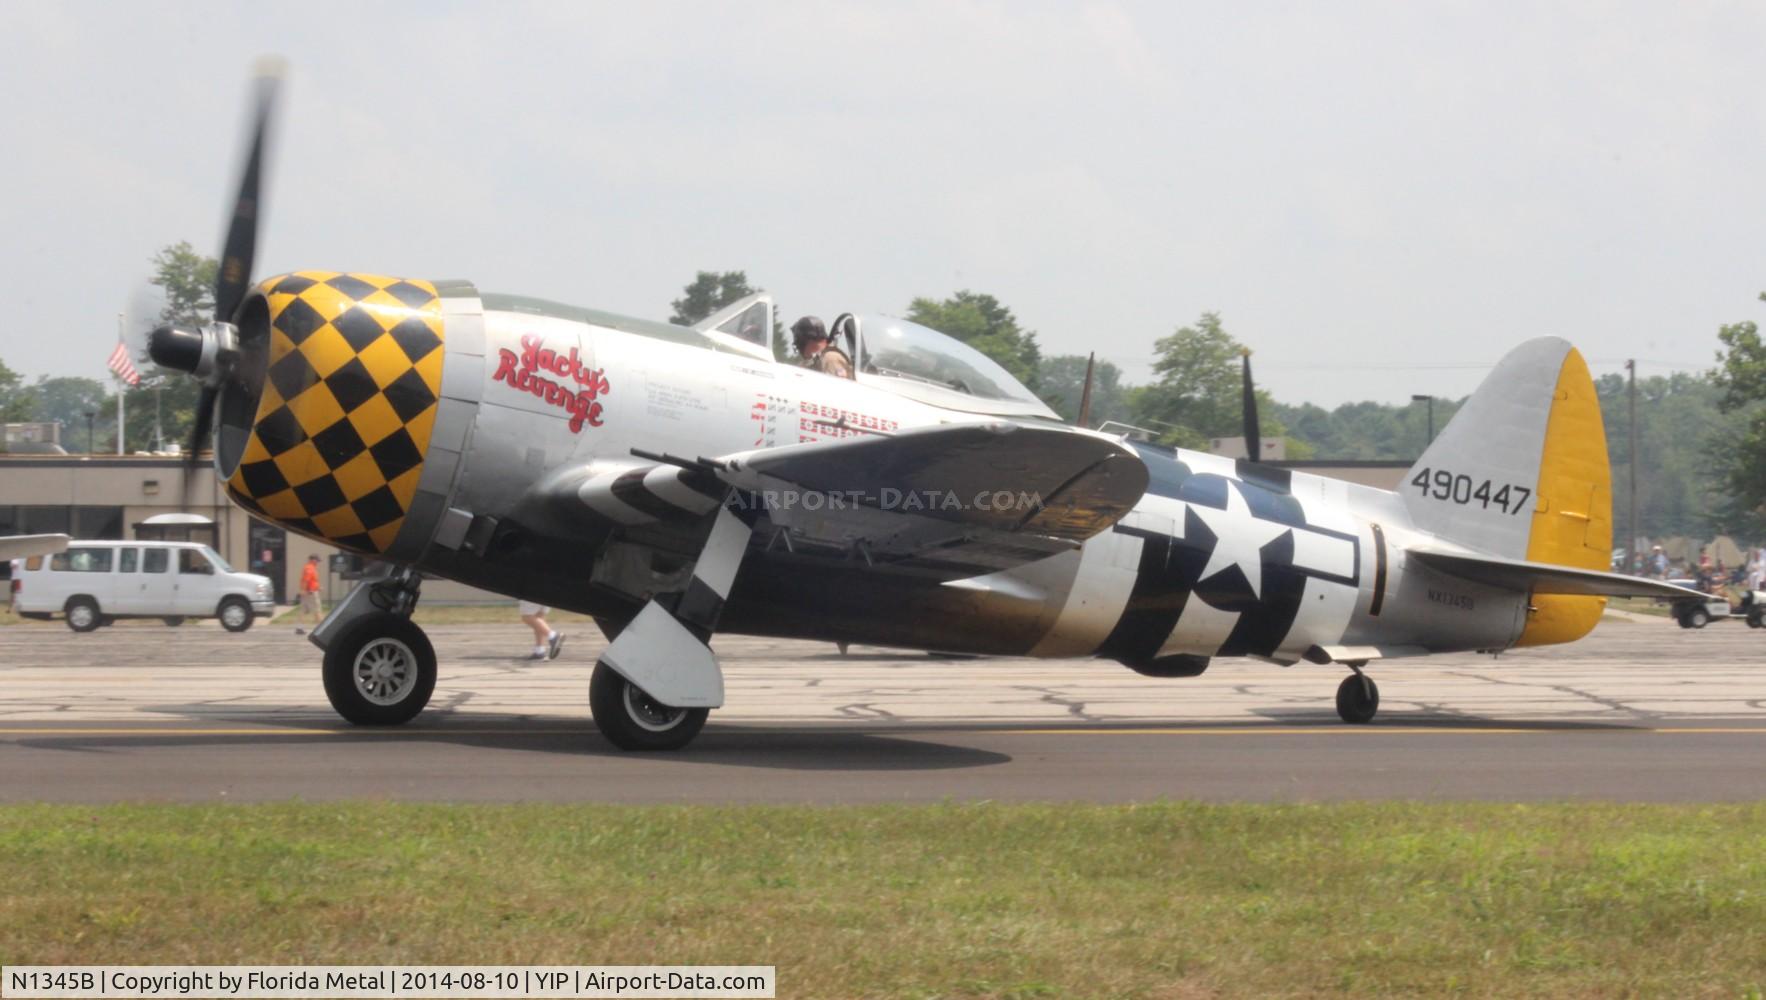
x,y
309,595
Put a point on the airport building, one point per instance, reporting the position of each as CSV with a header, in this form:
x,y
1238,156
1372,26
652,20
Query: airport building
x,y
147,498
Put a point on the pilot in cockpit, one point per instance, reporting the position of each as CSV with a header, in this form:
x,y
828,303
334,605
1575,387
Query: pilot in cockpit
x,y
814,350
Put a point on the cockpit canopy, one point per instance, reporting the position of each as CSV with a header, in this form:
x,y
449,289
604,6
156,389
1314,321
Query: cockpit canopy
x,y
918,362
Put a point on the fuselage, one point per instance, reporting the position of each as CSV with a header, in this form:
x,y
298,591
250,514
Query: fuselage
x,y
1218,558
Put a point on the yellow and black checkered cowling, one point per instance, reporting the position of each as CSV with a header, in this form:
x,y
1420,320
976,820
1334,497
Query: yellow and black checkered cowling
x,y
354,368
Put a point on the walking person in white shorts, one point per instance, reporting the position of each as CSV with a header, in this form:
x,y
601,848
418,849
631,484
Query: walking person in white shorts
x,y
547,640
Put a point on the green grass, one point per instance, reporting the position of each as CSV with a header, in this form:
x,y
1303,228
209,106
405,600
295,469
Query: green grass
x,y
1167,900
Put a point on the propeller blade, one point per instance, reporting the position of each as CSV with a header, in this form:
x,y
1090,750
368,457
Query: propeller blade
x,y
1253,436
199,430
233,277
205,416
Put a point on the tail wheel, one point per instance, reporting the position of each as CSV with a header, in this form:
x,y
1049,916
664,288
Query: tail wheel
x,y
173,620
380,671
1358,699
632,720
82,614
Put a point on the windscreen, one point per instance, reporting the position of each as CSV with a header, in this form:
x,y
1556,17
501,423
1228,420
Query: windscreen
x,y
900,349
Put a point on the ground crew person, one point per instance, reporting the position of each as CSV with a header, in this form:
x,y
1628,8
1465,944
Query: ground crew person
x,y
309,595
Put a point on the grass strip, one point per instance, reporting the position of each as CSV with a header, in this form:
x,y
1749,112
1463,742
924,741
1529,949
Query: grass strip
x,y
982,900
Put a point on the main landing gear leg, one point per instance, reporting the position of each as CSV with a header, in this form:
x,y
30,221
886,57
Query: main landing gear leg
x,y
379,667
1358,699
657,682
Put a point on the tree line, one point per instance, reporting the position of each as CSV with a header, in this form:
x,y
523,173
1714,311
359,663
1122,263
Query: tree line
x,y
1701,435
186,280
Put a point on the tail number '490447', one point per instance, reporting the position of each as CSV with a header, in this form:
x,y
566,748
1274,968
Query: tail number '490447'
x,y
1442,484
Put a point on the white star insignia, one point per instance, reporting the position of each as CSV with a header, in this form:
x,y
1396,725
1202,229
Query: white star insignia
x,y
1239,538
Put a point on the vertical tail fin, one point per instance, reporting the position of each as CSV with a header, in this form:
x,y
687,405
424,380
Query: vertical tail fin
x,y
1521,472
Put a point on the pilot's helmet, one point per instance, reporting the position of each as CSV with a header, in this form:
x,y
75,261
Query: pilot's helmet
x,y
806,329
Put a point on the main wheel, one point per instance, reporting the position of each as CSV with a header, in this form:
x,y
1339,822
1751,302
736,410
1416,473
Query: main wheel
x,y
632,720
82,614
1358,698
380,671
235,614
1697,617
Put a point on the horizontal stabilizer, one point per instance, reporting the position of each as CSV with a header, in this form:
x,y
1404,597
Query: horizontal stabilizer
x,y
1546,578
24,546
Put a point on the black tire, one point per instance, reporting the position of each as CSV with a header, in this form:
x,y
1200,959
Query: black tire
x,y
234,613
610,627
1358,700
632,720
380,671
1697,618
172,621
83,614
1755,620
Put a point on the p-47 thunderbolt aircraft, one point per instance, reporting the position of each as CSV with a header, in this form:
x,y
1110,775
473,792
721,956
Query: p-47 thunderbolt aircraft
x,y
680,482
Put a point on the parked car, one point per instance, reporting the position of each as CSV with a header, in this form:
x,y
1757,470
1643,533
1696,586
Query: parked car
x,y
95,583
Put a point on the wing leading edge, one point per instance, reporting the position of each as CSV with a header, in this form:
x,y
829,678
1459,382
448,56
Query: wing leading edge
x,y
948,501
1053,481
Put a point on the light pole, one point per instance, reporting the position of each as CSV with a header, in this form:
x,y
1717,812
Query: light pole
x,y
90,414
1420,398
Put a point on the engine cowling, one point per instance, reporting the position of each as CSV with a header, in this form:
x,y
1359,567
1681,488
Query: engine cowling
x,y
324,424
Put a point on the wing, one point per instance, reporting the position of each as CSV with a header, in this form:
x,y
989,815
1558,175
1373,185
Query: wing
x,y
1054,481
950,500
1546,578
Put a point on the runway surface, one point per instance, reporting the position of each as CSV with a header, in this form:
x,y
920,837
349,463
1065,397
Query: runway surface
x,y
1641,710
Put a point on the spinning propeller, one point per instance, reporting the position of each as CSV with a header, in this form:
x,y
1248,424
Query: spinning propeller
x,y
212,352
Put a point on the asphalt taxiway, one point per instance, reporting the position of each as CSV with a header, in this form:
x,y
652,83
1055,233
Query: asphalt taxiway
x,y
1641,710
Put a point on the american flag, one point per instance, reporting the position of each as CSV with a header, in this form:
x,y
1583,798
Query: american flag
x,y
124,368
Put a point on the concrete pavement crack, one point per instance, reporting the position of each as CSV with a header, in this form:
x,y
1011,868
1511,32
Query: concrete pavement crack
x,y
1074,707
863,710
1612,704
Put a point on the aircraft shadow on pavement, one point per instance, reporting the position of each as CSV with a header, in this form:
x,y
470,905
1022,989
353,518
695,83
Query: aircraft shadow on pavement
x,y
796,750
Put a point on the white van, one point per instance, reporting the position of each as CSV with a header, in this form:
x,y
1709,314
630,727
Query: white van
x,y
95,583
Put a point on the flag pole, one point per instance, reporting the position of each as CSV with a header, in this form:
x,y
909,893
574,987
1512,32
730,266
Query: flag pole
x,y
122,386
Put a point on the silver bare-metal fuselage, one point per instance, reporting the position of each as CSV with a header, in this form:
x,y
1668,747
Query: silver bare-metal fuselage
x,y
1219,558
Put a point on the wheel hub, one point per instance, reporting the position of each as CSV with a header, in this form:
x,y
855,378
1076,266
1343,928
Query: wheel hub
x,y
386,671
649,713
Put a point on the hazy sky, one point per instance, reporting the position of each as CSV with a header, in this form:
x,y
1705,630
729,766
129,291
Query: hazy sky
x,y
1378,198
